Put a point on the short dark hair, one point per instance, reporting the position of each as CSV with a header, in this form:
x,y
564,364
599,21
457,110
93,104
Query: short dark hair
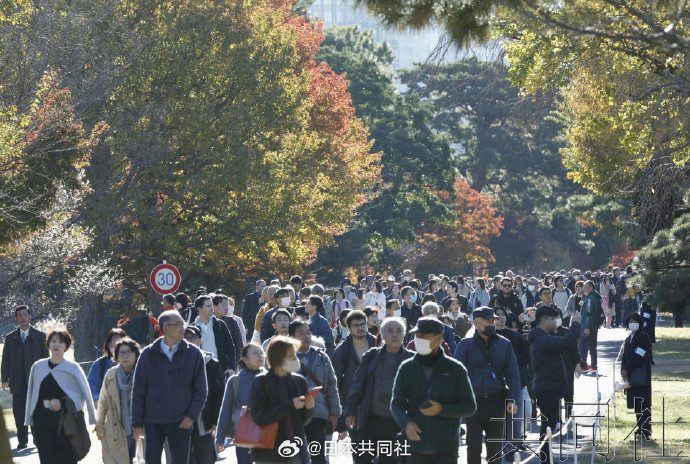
x,y
280,311
509,279
453,284
295,279
114,332
218,299
62,334
277,350
354,315
170,299
201,299
503,309
134,346
21,308
544,290
281,292
369,310
296,324
405,290
542,312
317,301
305,291
342,317
183,299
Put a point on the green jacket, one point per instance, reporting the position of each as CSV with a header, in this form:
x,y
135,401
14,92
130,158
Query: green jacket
x,y
450,387
589,311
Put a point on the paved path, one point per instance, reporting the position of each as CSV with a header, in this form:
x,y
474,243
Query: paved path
x,y
585,398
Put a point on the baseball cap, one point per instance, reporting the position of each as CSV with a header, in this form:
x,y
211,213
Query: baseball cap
x,y
428,325
194,329
484,312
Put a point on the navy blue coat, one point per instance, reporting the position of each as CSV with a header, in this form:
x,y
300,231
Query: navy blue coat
x,y
484,382
547,358
632,359
166,392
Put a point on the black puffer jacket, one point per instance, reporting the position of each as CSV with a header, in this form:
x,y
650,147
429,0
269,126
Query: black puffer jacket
x,y
547,358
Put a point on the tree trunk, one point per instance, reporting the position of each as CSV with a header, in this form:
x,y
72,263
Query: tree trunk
x,y
89,329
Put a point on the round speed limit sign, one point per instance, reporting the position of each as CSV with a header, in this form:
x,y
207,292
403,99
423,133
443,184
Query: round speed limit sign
x,y
165,279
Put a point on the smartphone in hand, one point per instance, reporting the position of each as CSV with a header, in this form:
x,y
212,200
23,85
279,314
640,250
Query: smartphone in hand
x,y
313,392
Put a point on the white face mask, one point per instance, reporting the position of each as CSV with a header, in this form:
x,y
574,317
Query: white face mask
x,y
285,301
559,322
231,309
422,346
396,313
531,288
634,326
292,365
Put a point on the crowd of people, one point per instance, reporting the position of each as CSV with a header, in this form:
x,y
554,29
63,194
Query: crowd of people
x,y
395,364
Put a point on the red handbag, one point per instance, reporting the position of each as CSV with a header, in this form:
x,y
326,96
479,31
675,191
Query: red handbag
x,y
250,435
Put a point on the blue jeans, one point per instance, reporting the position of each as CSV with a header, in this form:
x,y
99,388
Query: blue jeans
x,y
588,344
178,439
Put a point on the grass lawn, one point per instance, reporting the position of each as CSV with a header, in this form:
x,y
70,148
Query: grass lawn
x,y
670,394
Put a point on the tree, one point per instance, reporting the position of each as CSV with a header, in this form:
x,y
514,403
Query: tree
x,y
46,258
463,244
665,269
624,110
416,163
507,147
231,149
652,24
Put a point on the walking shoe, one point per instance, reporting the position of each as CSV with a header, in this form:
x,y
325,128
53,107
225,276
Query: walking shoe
x,y
21,446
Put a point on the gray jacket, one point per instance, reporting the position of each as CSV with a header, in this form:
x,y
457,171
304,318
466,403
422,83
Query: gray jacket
x,y
328,401
227,423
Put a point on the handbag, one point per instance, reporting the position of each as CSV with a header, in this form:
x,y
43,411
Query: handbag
x,y
139,453
638,377
74,426
251,435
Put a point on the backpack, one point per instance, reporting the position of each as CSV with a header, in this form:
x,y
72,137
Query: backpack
x,y
599,316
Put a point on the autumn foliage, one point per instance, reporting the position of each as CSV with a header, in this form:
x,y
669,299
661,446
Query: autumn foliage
x,y
465,241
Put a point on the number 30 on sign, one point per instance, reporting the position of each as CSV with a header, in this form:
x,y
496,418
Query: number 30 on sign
x,y
165,279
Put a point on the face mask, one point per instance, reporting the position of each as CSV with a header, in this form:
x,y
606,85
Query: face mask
x,y
489,330
285,301
634,326
396,313
559,322
422,346
413,298
231,309
531,288
292,365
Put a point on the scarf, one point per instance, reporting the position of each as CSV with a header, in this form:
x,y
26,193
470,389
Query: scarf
x,y
124,384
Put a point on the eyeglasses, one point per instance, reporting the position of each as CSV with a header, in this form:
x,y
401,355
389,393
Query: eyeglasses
x,y
176,324
358,326
507,286
192,338
124,353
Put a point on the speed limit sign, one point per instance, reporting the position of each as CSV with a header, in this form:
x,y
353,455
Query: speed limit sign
x,y
165,278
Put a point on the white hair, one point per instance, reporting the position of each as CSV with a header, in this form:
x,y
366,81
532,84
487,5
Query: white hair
x,y
399,321
430,307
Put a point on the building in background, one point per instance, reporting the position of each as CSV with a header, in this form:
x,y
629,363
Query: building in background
x,y
409,47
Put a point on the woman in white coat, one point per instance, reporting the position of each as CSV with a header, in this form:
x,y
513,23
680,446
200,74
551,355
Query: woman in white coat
x,y
51,382
114,415
375,297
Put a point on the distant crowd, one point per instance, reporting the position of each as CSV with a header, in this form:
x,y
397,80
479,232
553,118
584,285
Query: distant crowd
x,y
393,363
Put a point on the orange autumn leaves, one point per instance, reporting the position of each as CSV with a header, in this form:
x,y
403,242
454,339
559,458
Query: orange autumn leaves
x,y
464,241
